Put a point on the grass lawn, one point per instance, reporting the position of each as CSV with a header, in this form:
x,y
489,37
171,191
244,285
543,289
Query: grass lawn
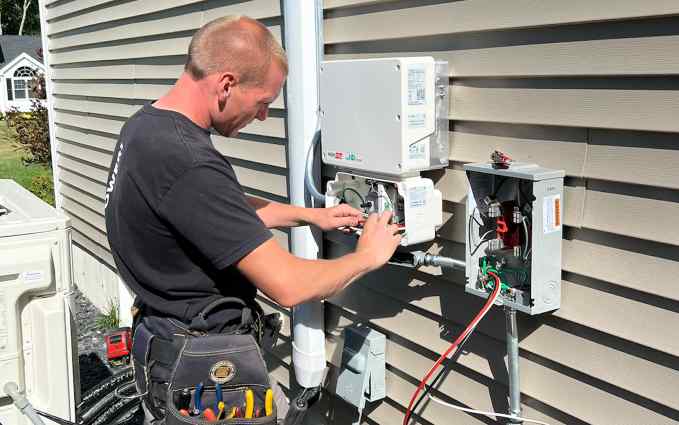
x,y
11,166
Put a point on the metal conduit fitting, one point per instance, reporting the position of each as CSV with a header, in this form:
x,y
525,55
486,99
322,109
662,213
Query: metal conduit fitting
x,y
421,258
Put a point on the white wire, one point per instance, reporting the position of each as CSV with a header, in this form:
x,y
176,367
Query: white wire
x,y
526,237
483,237
480,412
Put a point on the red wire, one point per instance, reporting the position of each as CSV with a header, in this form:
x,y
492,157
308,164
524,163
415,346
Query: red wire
x,y
453,346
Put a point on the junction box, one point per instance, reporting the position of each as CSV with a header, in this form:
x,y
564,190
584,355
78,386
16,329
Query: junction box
x,y
514,229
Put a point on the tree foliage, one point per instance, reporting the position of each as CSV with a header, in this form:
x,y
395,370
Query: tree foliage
x,y
11,12
32,127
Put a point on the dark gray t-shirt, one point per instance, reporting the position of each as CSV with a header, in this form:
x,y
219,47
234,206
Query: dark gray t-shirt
x,y
176,216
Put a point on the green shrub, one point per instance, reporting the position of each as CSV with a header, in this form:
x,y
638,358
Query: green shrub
x,y
110,319
32,133
43,187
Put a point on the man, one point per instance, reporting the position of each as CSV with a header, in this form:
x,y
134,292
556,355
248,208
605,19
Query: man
x,y
182,232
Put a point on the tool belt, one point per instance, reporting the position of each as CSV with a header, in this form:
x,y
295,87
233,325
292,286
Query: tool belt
x,y
183,373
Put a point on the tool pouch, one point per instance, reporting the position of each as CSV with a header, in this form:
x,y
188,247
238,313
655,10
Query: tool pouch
x,y
169,372
232,361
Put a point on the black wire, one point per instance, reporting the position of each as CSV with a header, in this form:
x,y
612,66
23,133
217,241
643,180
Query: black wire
x,y
439,376
352,190
478,246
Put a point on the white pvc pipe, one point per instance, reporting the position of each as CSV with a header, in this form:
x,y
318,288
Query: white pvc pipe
x,y
303,42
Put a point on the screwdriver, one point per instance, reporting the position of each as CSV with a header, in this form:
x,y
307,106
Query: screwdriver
x,y
218,395
196,400
268,402
235,413
220,410
249,403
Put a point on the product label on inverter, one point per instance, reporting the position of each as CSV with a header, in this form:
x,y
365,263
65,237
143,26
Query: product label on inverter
x,y
416,88
551,214
417,197
418,150
32,276
417,120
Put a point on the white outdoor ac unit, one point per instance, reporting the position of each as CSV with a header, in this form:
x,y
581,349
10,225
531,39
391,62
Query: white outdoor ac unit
x,y
36,339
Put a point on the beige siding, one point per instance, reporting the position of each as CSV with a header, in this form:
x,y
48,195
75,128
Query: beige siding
x,y
588,87
107,58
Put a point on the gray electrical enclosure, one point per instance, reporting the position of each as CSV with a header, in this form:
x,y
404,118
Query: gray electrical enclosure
x,y
362,374
514,229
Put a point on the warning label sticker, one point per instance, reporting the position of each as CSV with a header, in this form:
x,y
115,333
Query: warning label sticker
x,y
551,214
416,88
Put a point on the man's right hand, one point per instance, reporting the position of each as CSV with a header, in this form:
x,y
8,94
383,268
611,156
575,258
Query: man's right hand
x,y
378,240
290,280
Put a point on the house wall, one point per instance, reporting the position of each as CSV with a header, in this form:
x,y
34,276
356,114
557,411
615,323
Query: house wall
x,y
106,59
588,87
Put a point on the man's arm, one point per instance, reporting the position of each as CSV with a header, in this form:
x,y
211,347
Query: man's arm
x,y
291,280
276,214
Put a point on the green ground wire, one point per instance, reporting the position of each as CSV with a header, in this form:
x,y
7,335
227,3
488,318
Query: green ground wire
x,y
485,269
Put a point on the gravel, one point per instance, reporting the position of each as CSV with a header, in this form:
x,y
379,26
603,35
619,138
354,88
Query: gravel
x,y
91,347
94,366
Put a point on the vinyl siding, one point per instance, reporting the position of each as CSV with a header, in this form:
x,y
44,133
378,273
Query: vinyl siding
x,y
588,87
107,59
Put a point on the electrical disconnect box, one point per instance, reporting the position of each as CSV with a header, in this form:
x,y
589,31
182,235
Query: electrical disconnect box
x,y
514,229
383,122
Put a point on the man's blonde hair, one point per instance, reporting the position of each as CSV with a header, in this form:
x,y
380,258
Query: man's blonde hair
x,y
234,43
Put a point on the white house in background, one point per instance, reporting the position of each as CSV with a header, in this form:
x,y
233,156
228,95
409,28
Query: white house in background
x,y
19,62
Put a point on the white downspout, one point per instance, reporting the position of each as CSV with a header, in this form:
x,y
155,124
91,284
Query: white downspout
x,y
304,43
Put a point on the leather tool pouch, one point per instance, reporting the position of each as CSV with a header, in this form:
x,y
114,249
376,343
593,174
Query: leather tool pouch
x,y
169,372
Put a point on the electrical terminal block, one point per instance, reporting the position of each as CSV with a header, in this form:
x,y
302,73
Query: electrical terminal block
x,y
416,206
516,215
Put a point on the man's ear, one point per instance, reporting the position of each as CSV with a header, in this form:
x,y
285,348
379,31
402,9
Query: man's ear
x,y
225,84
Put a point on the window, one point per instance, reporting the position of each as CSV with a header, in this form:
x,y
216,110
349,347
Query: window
x,y
19,89
21,80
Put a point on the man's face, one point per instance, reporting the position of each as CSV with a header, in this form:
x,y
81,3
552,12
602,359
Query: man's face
x,y
247,102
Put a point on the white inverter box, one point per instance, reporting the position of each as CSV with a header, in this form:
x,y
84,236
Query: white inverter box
x,y
385,116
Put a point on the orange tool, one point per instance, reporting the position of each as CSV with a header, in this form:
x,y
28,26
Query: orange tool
x,y
209,415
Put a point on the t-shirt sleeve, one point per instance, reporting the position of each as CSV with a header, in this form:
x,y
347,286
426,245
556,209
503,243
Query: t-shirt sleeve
x,y
208,209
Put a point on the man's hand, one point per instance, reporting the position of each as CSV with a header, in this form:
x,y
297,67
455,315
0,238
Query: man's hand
x,y
335,217
379,240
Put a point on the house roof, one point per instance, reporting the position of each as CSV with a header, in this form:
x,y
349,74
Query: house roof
x,y
11,46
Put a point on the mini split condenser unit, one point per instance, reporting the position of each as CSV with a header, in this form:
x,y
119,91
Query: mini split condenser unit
x,y
36,348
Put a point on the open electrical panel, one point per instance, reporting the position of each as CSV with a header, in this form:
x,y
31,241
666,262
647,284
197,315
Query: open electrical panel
x,y
415,205
514,229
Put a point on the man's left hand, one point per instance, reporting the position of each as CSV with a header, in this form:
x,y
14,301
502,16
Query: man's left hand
x,y
339,216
